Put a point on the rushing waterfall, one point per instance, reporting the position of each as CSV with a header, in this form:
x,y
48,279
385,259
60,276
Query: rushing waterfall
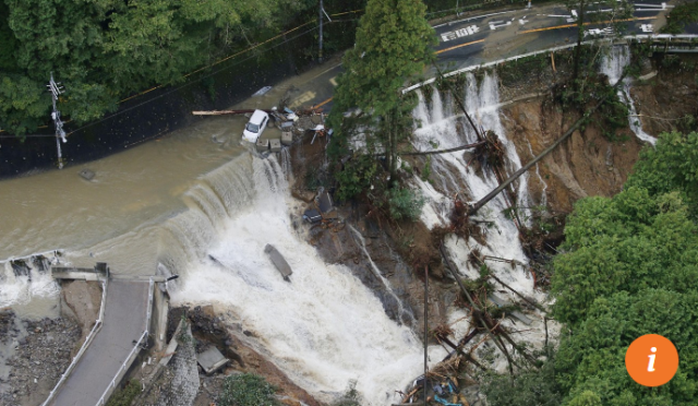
x,y
436,130
500,233
612,65
26,285
403,315
324,329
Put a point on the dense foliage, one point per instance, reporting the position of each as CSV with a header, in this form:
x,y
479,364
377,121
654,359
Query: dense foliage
x,y
393,43
628,268
102,50
105,50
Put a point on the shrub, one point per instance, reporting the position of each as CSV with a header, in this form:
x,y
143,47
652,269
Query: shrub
x,y
404,203
125,396
247,390
356,177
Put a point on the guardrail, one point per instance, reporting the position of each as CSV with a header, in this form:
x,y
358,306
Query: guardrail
x,y
134,351
112,385
83,348
543,51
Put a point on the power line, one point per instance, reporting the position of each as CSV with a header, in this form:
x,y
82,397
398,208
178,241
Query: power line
x,y
174,89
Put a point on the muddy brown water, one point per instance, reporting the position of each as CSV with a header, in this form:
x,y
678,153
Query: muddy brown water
x,y
116,217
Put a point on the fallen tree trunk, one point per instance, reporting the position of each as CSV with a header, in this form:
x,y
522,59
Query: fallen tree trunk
x,y
484,323
219,112
477,206
443,151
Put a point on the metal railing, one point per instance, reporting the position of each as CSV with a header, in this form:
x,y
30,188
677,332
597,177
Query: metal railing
x,y
668,37
122,369
132,355
83,348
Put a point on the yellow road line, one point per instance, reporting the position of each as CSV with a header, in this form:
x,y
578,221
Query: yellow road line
x,y
459,46
557,27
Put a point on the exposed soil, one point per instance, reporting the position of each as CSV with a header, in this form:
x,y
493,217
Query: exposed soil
x,y
586,164
667,102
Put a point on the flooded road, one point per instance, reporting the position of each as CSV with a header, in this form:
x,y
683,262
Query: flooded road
x,y
117,217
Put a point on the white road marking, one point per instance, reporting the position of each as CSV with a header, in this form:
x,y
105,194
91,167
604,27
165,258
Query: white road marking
x,y
460,33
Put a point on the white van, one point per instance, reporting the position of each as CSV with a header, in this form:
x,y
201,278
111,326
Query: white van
x,y
257,124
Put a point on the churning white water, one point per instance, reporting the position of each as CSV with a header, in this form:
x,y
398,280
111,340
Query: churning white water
x,y
612,65
26,285
500,232
437,131
324,329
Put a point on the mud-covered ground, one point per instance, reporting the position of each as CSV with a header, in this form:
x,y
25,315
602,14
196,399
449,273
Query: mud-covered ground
x,y
35,353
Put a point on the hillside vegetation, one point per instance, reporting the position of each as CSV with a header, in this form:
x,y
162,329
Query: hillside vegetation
x,y
627,268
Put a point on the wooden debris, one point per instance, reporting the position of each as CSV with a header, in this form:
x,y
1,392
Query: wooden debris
x,y
222,112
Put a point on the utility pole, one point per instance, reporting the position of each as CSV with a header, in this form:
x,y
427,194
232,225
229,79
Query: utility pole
x,y
319,58
56,89
320,13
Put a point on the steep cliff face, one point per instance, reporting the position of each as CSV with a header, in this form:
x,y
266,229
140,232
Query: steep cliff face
x,y
587,164
668,101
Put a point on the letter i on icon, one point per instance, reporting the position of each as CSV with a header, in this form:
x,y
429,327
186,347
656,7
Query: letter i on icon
x,y
650,366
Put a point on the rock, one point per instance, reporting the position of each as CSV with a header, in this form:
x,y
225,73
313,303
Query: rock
x,y
86,174
307,196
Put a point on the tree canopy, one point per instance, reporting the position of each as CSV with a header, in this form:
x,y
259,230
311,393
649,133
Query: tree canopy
x,y
102,50
393,44
627,268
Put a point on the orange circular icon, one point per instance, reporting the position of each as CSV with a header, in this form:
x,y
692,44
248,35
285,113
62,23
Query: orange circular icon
x,y
651,360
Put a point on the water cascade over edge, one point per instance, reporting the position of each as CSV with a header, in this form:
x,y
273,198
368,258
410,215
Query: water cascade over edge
x,y
612,65
26,284
324,329
442,127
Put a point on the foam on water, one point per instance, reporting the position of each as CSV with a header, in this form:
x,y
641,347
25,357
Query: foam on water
x,y
324,329
28,288
501,234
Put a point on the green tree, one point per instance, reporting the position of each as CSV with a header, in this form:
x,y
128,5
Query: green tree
x,y
604,14
102,50
628,268
627,243
393,44
671,166
590,360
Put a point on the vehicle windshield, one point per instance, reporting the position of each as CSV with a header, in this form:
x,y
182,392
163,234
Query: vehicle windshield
x,y
251,127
